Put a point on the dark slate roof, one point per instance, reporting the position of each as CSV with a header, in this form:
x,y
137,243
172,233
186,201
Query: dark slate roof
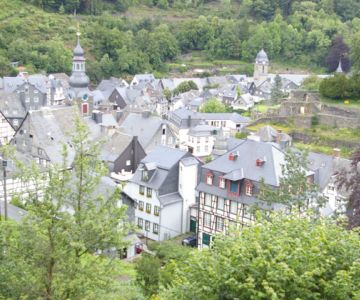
x,y
325,166
51,128
180,117
142,126
170,198
165,157
262,57
248,152
11,106
114,146
202,130
188,161
14,213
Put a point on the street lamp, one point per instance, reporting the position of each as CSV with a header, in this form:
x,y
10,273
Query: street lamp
x,y
4,164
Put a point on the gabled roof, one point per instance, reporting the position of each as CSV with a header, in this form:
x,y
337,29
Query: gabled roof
x,y
114,146
144,127
165,157
164,175
14,213
51,129
248,152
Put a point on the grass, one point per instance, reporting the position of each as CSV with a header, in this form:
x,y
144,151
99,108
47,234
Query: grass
x,y
263,108
345,152
339,103
283,127
323,136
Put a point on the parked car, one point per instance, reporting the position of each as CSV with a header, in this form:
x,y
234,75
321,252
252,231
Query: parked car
x,y
190,241
139,247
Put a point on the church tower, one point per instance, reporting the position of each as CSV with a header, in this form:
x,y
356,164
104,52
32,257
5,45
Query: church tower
x,y
79,81
339,68
261,67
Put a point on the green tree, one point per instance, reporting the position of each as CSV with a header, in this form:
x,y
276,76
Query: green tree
x,y
297,189
276,92
184,87
213,105
57,247
148,274
350,180
287,257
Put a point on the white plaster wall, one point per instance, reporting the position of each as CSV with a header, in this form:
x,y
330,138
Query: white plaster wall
x,y
187,184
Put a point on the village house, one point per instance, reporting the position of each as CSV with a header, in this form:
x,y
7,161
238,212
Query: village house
x,y
229,186
162,190
150,130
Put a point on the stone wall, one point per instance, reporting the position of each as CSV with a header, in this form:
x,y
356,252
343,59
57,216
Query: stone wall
x,y
309,139
338,121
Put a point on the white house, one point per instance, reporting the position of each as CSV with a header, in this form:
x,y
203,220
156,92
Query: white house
x,y
163,193
201,139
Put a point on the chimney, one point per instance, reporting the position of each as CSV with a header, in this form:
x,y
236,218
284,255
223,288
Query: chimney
x,y
97,116
189,121
336,152
278,136
145,114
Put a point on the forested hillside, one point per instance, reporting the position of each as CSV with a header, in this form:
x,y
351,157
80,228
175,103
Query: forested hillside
x,y
131,36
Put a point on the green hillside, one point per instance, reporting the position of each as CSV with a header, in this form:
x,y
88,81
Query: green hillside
x,y
174,36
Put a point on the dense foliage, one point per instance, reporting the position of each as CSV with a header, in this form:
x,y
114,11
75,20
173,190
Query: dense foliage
x,y
349,179
284,258
50,253
341,87
213,105
300,32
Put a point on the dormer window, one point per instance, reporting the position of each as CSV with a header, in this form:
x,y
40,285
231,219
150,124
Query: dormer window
x,y
145,175
221,182
260,162
209,178
248,188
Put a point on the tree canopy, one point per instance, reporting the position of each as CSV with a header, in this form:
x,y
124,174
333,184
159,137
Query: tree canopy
x,y
284,258
56,251
213,105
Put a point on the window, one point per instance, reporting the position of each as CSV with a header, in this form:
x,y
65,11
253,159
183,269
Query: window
x,y
221,182
148,192
232,225
147,225
15,122
220,203
208,200
247,213
198,140
206,238
36,99
128,162
156,210
219,224
140,223
85,108
233,207
141,205
206,148
197,148
156,228
248,188
40,152
145,175
148,208
209,178
234,188
36,91
141,189
207,220
27,99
